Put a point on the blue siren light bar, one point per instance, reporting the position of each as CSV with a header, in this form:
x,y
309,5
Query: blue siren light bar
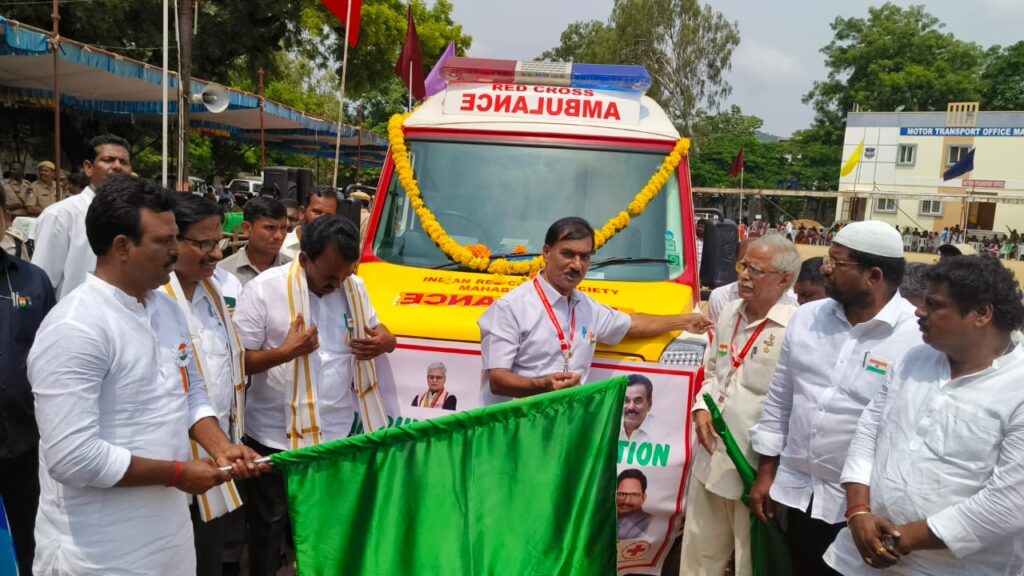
x,y
626,78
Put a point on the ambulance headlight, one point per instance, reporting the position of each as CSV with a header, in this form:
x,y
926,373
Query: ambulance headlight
x,y
683,353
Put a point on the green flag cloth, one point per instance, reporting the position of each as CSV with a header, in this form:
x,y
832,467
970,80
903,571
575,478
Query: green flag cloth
x,y
521,488
769,554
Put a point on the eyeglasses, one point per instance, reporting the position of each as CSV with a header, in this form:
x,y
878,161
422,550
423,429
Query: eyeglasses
x,y
753,270
628,495
205,246
832,263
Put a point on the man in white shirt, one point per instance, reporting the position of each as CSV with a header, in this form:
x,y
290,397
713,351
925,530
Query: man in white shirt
x,y
323,201
61,247
296,322
117,395
833,360
935,472
219,356
737,373
541,336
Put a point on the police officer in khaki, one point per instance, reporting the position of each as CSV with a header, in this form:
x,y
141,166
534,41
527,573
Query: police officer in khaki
x,y
21,200
45,187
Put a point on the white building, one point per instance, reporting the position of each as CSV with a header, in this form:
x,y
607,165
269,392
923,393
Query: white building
x,y
899,178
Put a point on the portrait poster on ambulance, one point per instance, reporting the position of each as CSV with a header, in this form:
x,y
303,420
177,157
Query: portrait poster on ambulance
x,y
421,377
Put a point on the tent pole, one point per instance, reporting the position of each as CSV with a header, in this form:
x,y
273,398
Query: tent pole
x,y
165,87
56,99
341,95
263,141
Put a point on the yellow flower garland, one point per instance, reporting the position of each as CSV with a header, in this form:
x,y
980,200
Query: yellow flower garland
x,y
478,257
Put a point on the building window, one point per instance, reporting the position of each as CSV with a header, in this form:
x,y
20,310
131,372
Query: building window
x,y
885,205
956,153
931,208
906,155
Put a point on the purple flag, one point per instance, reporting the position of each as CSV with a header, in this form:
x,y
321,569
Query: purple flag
x,y
434,83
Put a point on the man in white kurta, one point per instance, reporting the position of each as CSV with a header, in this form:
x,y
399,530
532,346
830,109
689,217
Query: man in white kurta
x,y
937,461
292,318
61,247
833,361
118,394
106,372
745,349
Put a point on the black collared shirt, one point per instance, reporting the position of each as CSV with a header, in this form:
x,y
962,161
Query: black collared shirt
x,y
21,313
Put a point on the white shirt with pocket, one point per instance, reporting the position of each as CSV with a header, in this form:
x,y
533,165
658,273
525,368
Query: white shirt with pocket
x,y
949,451
517,333
828,371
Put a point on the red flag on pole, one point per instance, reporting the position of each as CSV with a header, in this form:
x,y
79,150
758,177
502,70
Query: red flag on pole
x,y
737,164
410,64
341,8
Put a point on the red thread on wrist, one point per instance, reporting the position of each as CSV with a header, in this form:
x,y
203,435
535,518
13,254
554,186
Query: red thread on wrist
x,y
177,475
854,507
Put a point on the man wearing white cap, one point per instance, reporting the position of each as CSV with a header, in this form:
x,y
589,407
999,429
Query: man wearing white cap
x,y
834,358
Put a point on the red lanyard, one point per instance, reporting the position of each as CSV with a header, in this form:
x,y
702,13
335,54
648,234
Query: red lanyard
x,y
565,345
737,361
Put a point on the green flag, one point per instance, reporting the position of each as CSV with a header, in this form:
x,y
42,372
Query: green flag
x,y
521,488
769,555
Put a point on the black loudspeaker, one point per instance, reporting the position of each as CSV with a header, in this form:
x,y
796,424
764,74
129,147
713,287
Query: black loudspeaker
x,y
293,183
718,262
349,208
304,180
276,183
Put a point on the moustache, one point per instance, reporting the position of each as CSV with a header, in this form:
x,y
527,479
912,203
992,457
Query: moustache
x,y
171,261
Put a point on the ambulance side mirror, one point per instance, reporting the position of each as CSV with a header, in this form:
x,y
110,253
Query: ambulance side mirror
x,y
718,262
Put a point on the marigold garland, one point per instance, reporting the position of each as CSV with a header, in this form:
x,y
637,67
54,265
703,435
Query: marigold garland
x,y
478,256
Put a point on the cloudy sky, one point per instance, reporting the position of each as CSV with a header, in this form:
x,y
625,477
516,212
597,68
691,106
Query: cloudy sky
x,y
778,58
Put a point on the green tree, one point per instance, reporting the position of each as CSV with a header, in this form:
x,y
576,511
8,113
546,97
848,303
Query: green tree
x,y
894,57
382,31
686,46
593,42
1003,78
231,34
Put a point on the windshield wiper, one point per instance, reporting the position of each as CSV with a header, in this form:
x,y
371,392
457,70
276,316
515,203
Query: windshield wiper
x,y
628,260
493,257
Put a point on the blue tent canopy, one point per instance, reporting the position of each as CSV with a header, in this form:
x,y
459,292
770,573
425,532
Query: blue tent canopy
x,y
101,81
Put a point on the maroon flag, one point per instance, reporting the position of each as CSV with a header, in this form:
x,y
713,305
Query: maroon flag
x,y
410,64
737,164
341,8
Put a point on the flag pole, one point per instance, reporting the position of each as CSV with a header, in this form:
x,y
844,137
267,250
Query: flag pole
x,y
408,107
341,95
742,170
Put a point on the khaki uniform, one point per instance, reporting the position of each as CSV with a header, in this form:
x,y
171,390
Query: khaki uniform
x,y
45,195
20,197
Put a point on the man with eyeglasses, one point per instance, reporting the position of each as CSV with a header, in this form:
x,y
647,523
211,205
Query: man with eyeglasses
x,y
219,355
836,354
630,495
737,373
541,336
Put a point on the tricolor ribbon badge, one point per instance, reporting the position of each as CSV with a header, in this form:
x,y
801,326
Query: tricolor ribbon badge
x,y
183,355
877,366
24,301
723,349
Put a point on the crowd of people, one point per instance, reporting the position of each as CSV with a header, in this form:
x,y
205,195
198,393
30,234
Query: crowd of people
x,y
145,378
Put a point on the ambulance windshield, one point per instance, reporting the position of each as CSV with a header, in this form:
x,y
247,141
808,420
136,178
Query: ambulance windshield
x,y
506,195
